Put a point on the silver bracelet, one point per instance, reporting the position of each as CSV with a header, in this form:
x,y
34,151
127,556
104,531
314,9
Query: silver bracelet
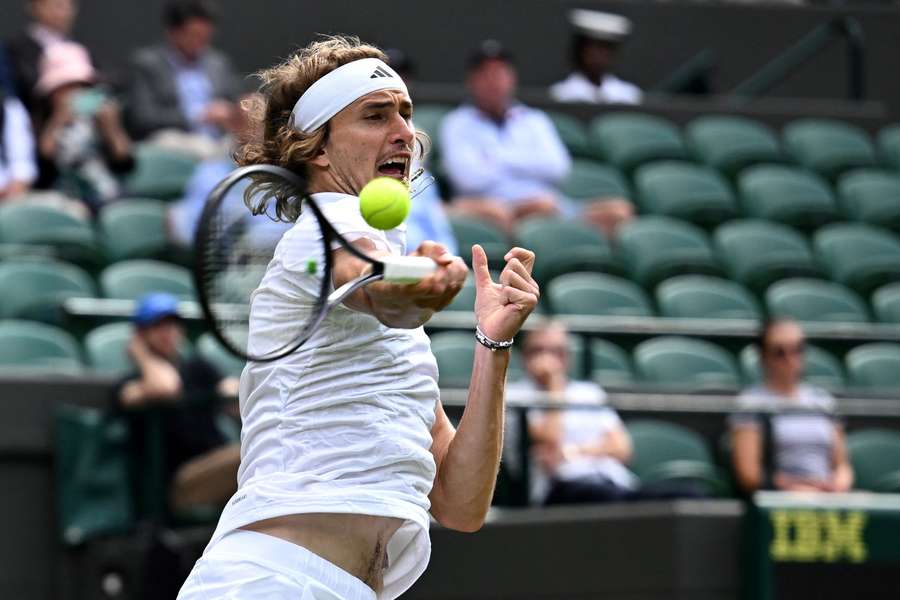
x,y
487,342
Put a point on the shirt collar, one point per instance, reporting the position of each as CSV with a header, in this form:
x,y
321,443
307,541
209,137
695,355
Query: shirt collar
x,y
44,35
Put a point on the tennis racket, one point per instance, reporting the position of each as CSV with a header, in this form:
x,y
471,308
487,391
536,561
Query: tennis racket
x,y
234,247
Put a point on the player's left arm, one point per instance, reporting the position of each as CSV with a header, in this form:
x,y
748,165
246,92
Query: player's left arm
x,y
468,458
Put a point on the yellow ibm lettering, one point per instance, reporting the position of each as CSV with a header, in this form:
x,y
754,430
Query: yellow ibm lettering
x,y
808,536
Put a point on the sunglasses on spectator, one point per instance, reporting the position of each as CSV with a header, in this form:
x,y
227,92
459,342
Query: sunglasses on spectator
x,y
781,352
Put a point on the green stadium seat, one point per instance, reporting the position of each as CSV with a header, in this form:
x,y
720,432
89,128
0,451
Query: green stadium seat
x,y
590,180
889,145
610,365
655,248
886,303
680,362
563,246
464,301
685,191
827,146
469,230
875,456
704,297
36,289
597,294
788,195
427,118
814,300
133,228
454,352
667,453
159,173
131,279
209,348
572,132
858,255
822,368
730,143
629,139
871,196
106,348
875,367
28,346
44,225
758,253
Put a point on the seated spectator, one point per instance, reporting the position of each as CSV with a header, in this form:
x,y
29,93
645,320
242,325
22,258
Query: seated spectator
x,y
183,91
201,465
785,436
582,453
595,43
83,138
18,168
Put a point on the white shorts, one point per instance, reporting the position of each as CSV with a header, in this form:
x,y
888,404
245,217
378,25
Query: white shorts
x,y
246,565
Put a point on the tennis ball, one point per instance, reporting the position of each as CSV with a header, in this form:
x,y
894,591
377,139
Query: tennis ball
x,y
384,202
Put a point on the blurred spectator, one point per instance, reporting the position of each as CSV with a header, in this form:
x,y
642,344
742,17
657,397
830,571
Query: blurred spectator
x,y
183,90
83,138
785,435
18,168
51,23
201,464
595,43
581,453
7,82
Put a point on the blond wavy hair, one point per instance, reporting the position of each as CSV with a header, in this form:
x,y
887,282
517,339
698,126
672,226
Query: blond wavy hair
x,y
275,141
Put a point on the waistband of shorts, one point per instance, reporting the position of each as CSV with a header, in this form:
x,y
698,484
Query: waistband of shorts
x,y
293,558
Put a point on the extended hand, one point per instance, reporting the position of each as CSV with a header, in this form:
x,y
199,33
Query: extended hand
x,y
502,307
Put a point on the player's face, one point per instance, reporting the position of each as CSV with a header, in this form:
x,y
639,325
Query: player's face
x,y
373,137
785,352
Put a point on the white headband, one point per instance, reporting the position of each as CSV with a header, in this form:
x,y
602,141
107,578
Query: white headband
x,y
340,88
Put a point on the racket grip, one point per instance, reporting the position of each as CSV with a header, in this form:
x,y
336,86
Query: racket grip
x,y
407,269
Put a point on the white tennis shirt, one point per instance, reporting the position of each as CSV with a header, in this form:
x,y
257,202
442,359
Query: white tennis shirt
x,y
343,425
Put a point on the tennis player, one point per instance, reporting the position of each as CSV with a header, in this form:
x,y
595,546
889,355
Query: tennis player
x,y
345,444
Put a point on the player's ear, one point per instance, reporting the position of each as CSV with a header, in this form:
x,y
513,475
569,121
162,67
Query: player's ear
x,y
321,159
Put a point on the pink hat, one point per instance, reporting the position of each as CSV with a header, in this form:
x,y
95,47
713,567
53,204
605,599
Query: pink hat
x,y
64,63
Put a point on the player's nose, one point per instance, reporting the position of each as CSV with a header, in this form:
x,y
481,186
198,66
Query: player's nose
x,y
402,130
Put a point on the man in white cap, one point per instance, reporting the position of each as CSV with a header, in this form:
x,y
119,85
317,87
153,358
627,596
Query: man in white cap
x,y
596,41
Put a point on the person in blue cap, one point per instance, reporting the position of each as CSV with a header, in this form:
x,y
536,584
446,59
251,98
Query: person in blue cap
x,y
201,464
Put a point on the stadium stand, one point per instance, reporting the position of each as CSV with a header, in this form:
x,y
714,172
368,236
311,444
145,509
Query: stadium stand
x,y
886,303
875,366
889,145
859,256
610,365
105,347
822,368
685,191
875,454
36,289
470,230
589,180
596,294
130,279
133,228
703,297
678,362
871,196
159,173
572,133
565,246
27,346
31,223
730,143
813,300
628,140
786,195
828,147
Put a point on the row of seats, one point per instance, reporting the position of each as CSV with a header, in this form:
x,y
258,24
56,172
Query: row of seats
x,y
650,249
673,362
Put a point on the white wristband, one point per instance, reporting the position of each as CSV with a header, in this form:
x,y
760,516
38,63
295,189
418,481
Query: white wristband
x,y
487,342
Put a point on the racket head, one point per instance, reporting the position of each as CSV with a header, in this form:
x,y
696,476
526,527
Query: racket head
x,y
233,249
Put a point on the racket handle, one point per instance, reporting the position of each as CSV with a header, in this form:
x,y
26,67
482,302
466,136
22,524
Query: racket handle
x,y
407,269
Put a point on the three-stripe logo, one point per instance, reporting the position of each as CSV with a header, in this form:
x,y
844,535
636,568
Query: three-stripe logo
x,y
379,72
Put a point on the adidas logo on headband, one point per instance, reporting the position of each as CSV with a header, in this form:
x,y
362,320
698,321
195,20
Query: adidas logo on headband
x,y
379,72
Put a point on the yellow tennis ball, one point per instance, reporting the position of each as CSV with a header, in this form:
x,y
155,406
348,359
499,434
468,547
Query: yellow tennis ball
x,y
384,202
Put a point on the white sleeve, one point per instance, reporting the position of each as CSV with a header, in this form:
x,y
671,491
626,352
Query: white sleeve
x,y
18,141
470,168
545,158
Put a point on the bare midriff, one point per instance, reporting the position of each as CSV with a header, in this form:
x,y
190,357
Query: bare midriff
x,y
355,543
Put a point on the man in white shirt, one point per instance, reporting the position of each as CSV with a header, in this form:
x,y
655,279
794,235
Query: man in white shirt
x,y
18,167
504,159
595,43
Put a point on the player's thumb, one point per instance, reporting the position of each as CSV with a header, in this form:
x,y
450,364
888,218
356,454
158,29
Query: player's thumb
x,y
480,266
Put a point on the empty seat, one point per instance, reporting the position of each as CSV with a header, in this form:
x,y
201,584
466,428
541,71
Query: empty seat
x,y
704,297
589,180
871,196
597,294
655,248
889,145
469,230
572,132
886,303
787,195
730,143
814,300
454,352
36,289
563,246
875,456
758,253
828,146
610,364
131,279
875,367
465,299
822,368
216,354
106,348
630,139
858,255
133,229
685,191
679,362
31,346
159,173
666,453
72,236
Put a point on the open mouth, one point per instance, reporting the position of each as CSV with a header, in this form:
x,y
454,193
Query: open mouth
x,y
394,166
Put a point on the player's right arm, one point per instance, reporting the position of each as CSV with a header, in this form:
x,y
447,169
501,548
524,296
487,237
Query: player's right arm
x,y
396,305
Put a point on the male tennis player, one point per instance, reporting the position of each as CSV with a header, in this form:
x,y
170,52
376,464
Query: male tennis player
x,y
345,444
